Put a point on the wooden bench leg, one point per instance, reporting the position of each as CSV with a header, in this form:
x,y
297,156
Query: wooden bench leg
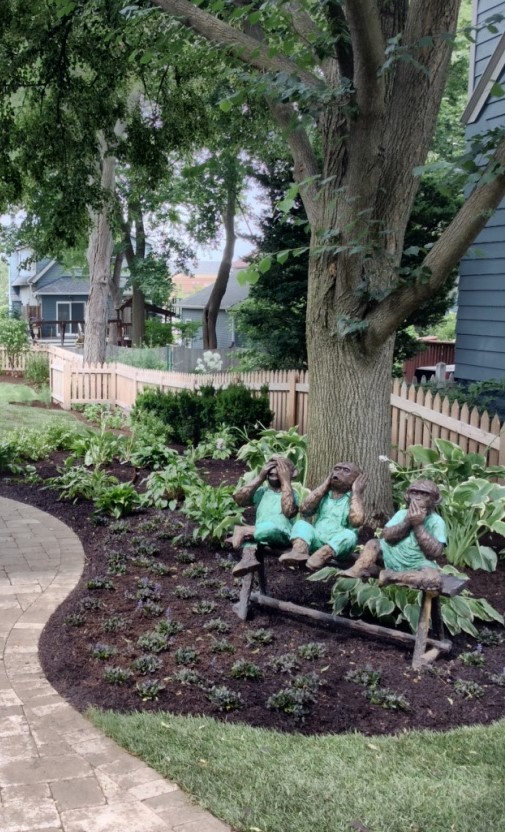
x,y
422,631
242,605
262,577
437,622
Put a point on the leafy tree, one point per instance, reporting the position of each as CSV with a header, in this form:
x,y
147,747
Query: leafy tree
x,y
13,338
356,86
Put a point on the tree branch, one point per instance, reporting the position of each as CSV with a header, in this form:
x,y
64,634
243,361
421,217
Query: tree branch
x,y
305,161
368,52
445,254
246,48
309,31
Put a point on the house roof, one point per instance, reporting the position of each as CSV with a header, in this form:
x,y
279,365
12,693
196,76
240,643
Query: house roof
x,y
235,293
65,286
488,78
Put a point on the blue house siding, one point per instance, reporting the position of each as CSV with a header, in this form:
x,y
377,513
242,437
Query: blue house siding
x,y
224,332
48,304
480,329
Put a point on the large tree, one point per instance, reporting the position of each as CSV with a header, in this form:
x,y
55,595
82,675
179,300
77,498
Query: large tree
x,y
356,86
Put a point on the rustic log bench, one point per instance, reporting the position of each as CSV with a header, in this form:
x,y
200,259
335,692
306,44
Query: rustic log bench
x,y
430,611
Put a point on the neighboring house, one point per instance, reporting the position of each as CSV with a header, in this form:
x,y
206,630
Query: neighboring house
x,y
44,290
480,331
186,285
191,309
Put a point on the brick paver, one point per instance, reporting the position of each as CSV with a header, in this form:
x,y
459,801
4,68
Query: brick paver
x,y
57,771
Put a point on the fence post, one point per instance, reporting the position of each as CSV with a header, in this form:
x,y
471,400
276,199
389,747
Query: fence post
x,y
440,371
112,383
501,452
291,400
66,402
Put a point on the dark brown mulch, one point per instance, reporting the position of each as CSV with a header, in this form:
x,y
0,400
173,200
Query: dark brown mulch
x,y
340,705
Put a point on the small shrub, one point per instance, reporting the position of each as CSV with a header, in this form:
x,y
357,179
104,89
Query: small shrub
x,y
100,583
148,590
118,500
142,561
311,651
115,623
367,676
102,651
497,678
186,676
388,699
150,609
203,607
37,369
186,655
260,636
144,546
284,664
307,681
153,642
472,658
149,689
243,669
183,556
75,619
489,638
213,510
116,563
169,627
468,690
222,646
217,625
227,593
226,563
90,604
196,570
158,568
295,702
224,698
117,675
118,528
210,583
146,664
185,592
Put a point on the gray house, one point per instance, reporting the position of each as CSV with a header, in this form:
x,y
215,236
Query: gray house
x,y
46,292
191,309
480,332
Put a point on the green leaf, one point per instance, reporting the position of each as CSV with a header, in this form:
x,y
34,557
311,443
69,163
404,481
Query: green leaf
x,y
466,625
423,455
411,613
340,601
461,607
449,618
384,606
264,264
283,256
226,105
323,574
481,557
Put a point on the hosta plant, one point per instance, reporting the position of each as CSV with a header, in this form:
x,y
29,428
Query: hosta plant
x,y
471,509
396,604
220,444
118,500
165,487
288,443
213,510
78,482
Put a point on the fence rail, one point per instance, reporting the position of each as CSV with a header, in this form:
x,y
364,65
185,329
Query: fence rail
x,y
417,416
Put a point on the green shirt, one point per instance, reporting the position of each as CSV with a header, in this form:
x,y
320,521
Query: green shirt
x,y
332,514
269,508
407,554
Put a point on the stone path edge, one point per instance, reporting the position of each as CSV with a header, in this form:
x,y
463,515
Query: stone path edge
x,y
57,770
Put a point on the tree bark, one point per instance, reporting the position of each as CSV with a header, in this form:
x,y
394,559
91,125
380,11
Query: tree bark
x,y
211,309
99,255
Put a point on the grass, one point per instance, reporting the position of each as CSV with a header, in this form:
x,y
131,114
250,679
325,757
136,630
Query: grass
x,y
266,781
13,416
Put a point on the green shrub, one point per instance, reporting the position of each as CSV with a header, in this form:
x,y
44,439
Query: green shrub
x,y
213,510
193,414
157,333
37,369
239,407
14,338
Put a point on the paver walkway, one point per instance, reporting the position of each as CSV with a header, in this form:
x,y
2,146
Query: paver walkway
x,y
57,771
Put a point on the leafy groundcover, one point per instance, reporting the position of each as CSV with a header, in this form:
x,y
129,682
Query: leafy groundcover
x,y
151,627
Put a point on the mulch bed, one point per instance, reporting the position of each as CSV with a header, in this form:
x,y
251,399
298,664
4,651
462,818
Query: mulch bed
x,y
146,539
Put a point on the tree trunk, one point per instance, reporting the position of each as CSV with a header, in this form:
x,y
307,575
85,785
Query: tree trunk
x,y
349,402
99,255
138,316
211,309
116,296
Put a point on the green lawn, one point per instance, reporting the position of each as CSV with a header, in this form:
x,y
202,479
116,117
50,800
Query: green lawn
x,y
263,781
16,416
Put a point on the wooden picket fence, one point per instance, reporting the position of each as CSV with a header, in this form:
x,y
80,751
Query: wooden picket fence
x,y
418,416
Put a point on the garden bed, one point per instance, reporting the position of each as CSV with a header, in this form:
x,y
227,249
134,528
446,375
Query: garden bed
x,y
130,555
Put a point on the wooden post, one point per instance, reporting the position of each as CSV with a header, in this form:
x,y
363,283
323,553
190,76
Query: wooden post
x,y
422,631
440,371
66,401
501,452
291,401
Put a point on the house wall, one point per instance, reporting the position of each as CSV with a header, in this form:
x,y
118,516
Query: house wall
x,y
49,302
224,327
480,329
